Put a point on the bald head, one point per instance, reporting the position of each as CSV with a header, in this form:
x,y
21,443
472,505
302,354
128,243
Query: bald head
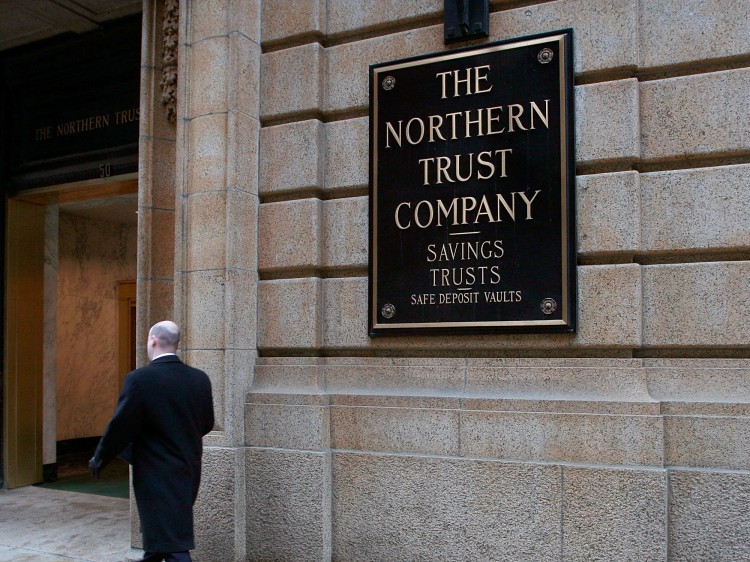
x,y
163,337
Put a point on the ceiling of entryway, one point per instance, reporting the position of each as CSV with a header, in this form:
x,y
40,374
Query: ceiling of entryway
x,y
120,209
26,21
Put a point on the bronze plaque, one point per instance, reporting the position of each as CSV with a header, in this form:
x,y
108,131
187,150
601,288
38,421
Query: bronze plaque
x,y
471,189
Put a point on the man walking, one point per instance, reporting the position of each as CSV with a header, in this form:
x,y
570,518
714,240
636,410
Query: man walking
x,y
163,412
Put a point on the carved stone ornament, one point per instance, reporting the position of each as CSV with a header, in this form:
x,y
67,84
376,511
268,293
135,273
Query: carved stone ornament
x,y
168,82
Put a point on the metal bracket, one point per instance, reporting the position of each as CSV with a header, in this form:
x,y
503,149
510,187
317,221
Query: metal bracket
x,y
466,20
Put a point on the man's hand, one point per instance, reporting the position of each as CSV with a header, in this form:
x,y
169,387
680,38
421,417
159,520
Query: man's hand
x,y
95,467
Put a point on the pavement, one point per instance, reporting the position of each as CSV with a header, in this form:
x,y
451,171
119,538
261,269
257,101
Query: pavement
x,y
46,525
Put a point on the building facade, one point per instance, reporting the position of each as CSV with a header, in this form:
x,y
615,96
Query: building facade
x,y
628,439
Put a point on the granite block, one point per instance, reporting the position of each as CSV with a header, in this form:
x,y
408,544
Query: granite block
x,y
209,77
206,154
287,378
289,505
614,514
695,116
241,309
608,213
707,441
606,122
347,154
156,178
577,438
421,508
609,306
215,507
290,235
696,304
703,209
381,375
287,426
292,81
345,17
552,379
345,233
152,116
395,430
243,132
243,85
283,19
725,409
345,323
205,323
157,297
212,362
206,230
606,31
245,18
208,19
289,313
291,158
347,64
557,406
699,380
155,225
683,31
239,366
708,516
396,401
242,230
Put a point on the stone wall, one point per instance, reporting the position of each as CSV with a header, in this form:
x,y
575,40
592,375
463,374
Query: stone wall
x,y
624,441
93,256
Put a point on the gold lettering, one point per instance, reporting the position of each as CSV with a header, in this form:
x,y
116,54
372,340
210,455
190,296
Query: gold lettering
x,y
478,74
478,122
43,133
528,202
396,135
491,118
421,130
446,168
544,117
127,116
436,121
462,124
398,223
515,116
76,126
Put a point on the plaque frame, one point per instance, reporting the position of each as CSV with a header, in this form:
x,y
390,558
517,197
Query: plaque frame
x,y
382,316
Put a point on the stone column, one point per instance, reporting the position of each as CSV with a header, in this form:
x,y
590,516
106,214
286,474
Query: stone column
x,y
156,185
156,198
216,274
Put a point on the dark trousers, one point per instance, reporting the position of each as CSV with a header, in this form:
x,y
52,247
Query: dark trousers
x,y
167,557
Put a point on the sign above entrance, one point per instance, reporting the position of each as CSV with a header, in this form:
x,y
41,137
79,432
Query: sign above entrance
x,y
72,107
471,189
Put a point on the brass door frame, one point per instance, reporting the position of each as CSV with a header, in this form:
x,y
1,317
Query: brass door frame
x,y
24,320
24,343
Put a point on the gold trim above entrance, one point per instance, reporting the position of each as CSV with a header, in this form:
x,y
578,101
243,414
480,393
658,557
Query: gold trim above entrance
x,y
81,191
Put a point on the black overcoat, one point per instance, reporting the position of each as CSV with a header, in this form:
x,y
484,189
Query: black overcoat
x,y
164,410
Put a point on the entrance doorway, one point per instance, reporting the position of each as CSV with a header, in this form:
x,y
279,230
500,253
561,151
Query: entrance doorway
x,y
69,319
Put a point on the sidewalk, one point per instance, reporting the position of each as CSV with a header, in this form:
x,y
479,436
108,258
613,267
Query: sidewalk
x,y
44,525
